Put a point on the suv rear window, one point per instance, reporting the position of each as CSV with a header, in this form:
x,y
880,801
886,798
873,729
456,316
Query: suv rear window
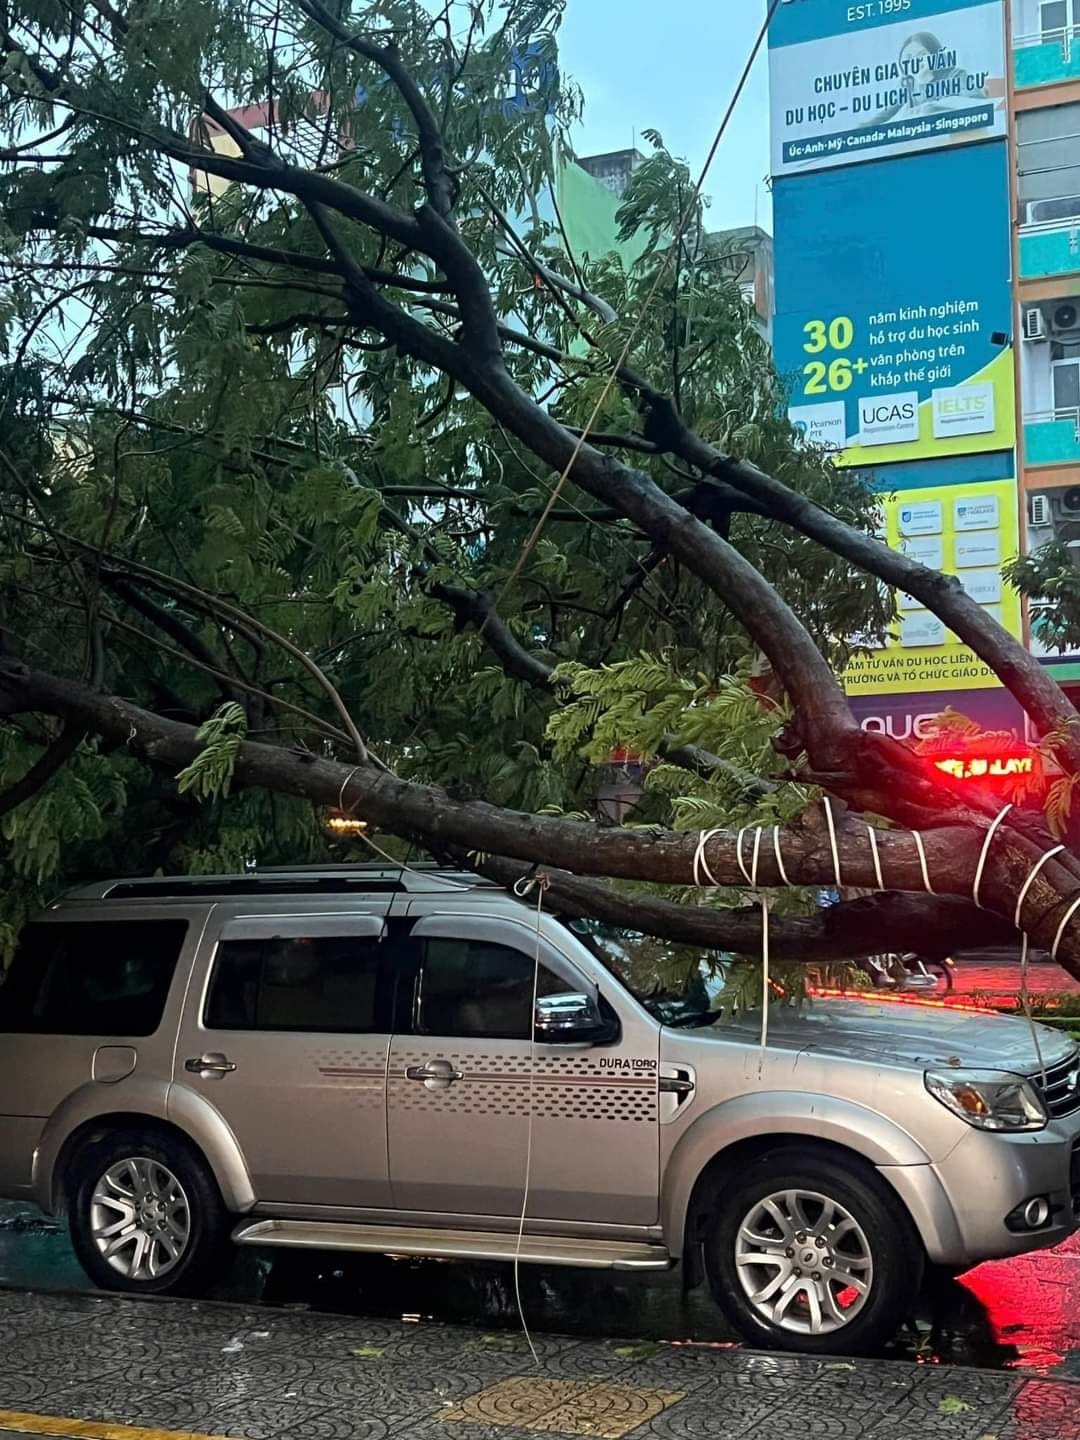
x,y
108,977
317,984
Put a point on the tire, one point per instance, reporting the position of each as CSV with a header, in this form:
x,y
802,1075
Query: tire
x,y
144,1183
869,1239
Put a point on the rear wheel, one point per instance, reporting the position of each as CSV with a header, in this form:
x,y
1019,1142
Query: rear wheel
x,y
812,1255
146,1215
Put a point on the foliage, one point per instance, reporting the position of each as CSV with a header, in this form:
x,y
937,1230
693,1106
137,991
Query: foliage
x,y
1050,574
210,773
210,427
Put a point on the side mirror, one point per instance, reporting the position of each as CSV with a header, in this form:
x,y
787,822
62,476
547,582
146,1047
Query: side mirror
x,y
568,1020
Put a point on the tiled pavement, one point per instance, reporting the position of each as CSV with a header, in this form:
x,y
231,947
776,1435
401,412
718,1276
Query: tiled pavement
x,y
227,1371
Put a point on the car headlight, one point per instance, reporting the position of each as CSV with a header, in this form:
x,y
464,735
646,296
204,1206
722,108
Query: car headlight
x,y
988,1099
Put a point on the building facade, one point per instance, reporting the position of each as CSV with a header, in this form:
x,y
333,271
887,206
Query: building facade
x,y
926,181
591,188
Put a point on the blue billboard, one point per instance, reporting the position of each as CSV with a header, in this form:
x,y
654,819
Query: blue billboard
x,y
797,21
855,82
894,313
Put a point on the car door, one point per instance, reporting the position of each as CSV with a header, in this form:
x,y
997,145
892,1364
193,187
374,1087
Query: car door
x,y
287,1037
459,1092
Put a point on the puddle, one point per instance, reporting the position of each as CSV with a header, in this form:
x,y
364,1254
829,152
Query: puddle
x,y
1017,1314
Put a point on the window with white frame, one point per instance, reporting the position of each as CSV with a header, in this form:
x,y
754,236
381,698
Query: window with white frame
x,y
1048,160
1065,379
1057,16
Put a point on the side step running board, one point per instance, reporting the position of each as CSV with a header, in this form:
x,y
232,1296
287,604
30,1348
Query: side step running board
x,y
454,1244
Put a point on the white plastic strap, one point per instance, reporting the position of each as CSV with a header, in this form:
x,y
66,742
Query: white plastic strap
x,y
738,856
1030,881
701,864
529,884
1069,913
921,848
756,857
764,982
876,857
779,857
832,841
991,831
1025,1004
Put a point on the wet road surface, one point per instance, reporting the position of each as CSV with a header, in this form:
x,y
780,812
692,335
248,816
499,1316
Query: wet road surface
x,y
1019,1314
1002,978
88,1367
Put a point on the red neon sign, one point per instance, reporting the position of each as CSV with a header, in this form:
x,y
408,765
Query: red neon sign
x,y
986,767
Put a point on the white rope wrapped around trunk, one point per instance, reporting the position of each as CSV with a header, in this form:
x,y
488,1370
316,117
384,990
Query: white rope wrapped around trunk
x,y
750,875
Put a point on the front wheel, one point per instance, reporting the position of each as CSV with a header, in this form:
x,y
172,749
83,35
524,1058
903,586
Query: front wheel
x,y
812,1255
146,1216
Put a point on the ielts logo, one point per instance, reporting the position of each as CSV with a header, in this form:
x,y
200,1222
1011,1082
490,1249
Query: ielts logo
x,y
964,405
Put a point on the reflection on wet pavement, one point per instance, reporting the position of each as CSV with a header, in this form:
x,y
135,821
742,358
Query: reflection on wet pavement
x,y
1008,1314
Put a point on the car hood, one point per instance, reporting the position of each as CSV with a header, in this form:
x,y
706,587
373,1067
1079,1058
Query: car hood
x,y
911,1033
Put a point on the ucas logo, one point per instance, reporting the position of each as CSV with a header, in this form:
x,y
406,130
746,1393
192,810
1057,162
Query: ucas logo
x,y
881,413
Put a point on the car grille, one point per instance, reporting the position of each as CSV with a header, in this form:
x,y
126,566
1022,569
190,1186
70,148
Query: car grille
x,y
1062,1090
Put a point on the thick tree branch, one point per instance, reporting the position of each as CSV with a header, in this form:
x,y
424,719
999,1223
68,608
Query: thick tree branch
x,y
192,237
426,814
1018,670
437,179
171,625
477,607
927,925
266,170
825,718
55,757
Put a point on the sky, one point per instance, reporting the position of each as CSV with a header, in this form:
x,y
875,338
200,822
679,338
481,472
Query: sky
x,y
673,66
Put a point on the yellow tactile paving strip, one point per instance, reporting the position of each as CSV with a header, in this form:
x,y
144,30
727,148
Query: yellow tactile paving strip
x,y
24,1423
564,1407
561,1407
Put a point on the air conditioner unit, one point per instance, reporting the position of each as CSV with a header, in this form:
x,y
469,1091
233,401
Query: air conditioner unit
x,y
1034,324
1046,212
1070,501
1039,510
1065,318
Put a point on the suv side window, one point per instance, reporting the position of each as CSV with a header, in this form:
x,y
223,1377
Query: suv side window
x,y
475,988
100,977
321,984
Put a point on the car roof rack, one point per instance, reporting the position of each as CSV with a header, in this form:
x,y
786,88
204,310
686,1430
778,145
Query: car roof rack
x,y
289,880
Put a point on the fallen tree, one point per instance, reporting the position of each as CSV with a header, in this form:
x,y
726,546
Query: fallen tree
x,y
375,236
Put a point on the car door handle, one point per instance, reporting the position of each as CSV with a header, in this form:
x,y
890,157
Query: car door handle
x,y
209,1065
436,1074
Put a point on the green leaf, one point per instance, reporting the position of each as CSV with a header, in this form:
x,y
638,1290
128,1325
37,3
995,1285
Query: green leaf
x,y
953,1405
210,774
641,1351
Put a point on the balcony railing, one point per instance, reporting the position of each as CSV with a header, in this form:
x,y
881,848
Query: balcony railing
x,y
1047,57
1052,437
1049,247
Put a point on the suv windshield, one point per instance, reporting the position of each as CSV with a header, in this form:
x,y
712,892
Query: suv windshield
x,y
678,984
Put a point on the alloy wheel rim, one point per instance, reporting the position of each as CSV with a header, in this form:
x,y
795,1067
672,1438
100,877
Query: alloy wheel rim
x,y
140,1219
804,1262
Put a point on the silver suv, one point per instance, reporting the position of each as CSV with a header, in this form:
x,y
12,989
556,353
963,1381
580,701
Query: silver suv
x,y
350,1059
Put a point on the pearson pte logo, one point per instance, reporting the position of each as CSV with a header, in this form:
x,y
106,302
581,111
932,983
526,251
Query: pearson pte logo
x,y
824,425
